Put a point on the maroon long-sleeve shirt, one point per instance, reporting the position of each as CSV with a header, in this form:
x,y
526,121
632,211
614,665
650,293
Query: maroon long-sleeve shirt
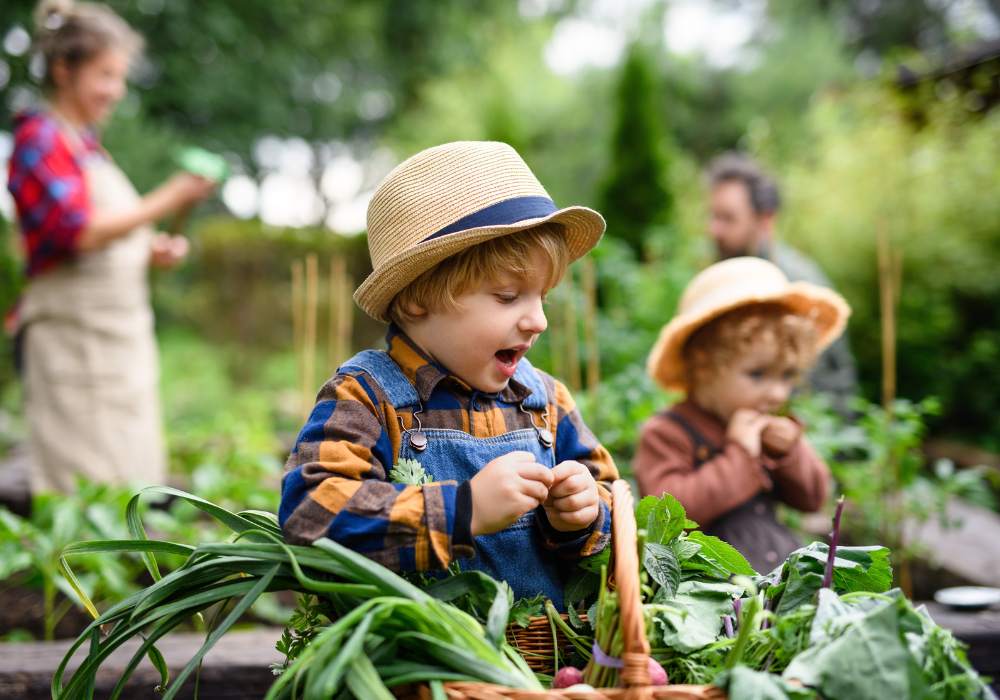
x,y
666,462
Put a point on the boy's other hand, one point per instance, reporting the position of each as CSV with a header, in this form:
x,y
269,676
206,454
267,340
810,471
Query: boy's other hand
x,y
780,435
745,428
573,501
507,488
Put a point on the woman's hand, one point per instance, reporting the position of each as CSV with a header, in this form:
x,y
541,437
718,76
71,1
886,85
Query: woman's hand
x,y
186,189
167,251
180,192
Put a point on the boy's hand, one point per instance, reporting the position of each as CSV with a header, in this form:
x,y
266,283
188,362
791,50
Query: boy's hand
x,y
573,502
507,488
745,428
780,435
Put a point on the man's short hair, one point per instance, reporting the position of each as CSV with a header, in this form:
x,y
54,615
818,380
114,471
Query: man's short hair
x,y
737,167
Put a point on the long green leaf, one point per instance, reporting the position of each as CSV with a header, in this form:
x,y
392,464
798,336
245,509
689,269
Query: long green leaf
x,y
212,638
364,681
104,546
403,672
371,572
156,658
328,682
314,584
459,659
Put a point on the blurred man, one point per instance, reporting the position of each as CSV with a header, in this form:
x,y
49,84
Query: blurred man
x,y
743,208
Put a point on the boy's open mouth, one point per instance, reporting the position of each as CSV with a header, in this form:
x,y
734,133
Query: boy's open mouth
x,y
507,358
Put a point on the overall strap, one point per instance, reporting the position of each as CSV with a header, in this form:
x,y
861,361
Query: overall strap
x,y
387,374
530,378
704,450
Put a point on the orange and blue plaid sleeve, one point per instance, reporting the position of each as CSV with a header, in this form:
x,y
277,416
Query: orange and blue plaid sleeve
x,y
575,441
336,485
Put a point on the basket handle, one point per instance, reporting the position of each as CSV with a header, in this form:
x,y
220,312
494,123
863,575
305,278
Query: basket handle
x,y
624,539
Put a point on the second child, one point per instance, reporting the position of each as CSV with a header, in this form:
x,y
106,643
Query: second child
x,y
743,337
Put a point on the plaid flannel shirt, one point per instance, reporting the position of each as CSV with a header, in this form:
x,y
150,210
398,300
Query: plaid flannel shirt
x,y
336,482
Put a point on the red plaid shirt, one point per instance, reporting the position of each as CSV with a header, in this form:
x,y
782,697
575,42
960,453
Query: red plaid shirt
x,y
46,180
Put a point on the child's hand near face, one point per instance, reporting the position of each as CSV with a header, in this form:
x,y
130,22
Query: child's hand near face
x,y
507,488
745,429
573,501
780,435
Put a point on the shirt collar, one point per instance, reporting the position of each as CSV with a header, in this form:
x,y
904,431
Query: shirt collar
x,y
426,374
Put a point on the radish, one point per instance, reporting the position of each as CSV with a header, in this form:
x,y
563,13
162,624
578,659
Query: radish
x,y
567,676
657,675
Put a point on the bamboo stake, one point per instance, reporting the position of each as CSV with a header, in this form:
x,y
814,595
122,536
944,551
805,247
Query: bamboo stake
x,y
309,332
571,336
345,328
555,336
589,276
890,276
887,302
297,276
590,327
333,310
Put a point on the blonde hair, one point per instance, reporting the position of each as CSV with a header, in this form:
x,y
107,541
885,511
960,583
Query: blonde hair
x,y
718,343
73,33
438,288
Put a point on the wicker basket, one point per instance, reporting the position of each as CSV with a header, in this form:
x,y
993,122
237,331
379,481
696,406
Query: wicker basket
x,y
536,645
635,674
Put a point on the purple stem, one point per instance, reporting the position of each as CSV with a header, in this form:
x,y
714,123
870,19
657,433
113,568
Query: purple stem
x,y
727,624
737,606
834,539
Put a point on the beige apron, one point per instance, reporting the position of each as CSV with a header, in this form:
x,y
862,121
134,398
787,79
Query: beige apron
x,y
90,360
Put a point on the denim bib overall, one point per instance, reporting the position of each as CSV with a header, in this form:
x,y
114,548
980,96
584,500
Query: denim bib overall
x,y
515,555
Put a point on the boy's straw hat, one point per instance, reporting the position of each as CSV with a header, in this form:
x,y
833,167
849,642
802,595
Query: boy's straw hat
x,y
732,284
448,198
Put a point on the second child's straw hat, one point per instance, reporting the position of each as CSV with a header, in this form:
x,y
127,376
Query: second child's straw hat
x,y
732,284
448,198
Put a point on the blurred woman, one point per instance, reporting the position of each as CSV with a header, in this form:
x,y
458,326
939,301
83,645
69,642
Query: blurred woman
x,y
85,323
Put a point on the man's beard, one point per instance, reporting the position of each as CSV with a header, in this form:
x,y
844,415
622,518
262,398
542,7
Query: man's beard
x,y
726,253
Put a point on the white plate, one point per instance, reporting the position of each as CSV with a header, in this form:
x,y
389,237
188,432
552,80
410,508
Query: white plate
x,y
968,597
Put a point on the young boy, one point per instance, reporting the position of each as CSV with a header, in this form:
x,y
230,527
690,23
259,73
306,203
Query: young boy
x,y
465,243
741,339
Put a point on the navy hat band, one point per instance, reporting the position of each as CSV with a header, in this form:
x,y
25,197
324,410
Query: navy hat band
x,y
509,211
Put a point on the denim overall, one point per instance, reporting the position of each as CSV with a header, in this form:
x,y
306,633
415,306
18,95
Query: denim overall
x,y
514,555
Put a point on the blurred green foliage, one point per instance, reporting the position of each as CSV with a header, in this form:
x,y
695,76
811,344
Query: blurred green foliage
x,y
634,197
236,290
931,191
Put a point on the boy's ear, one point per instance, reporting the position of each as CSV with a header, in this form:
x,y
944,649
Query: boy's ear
x,y
414,309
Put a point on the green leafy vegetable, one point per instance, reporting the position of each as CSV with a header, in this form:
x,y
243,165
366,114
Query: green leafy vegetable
x,y
717,558
663,518
868,661
854,569
742,683
409,471
661,564
692,618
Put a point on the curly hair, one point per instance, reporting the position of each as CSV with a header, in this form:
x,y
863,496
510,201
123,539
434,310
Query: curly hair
x,y
792,336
